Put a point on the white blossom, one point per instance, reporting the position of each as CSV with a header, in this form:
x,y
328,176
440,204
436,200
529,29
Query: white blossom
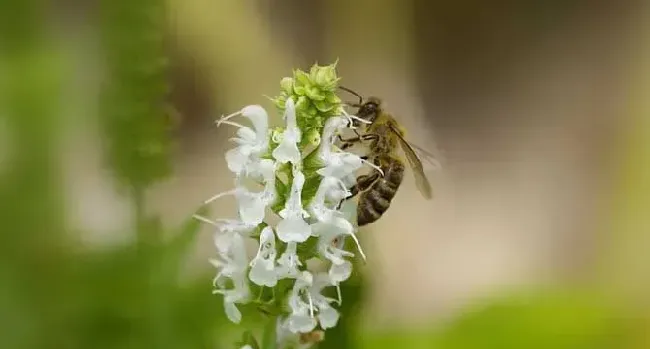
x,y
327,316
292,227
287,150
251,142
262,270
330,190
308,306
226,228
289,262
337,164
252,205
301,319
232,265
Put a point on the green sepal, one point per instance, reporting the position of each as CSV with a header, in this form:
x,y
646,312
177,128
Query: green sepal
x,y
301,79
269,336
308,249
312,137
312,162
247,338
280,102
315,94
310,188
324,106
255,233
286,85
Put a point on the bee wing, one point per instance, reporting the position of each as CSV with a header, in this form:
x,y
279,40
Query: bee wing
x,y
427,156
421,180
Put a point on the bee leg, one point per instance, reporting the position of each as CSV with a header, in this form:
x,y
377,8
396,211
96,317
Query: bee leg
x,y
363,183
349,140
369,137
347,143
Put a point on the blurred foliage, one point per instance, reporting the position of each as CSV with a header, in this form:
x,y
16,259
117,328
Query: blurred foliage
x,y
571,319
134,110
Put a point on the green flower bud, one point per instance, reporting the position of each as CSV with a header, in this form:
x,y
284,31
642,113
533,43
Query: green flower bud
x,y
313,137
315,94
287,85
280,102
324,77
299,90
312,111
302,104
333,99
324,106
302,78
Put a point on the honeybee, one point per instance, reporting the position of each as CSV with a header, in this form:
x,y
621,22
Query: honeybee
x,y
383,135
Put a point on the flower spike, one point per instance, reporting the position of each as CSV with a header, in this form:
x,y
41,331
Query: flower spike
x,y
306,199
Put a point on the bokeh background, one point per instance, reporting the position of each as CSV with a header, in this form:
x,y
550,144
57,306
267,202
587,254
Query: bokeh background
x,y
538,235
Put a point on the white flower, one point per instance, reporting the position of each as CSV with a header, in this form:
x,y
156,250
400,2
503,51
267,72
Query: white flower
x,y
262,270
337,164
289,262
287,150
330,132
293,228
306,299
329,233
327,316
251,143
264,172
226,229
232,265
330,189
331,238
252,205
301,319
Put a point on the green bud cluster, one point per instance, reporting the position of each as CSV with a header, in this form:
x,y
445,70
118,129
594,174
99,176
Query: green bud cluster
x,y
315,96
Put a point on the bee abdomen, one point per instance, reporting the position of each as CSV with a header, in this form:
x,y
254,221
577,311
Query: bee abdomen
x,y
376,200
394,173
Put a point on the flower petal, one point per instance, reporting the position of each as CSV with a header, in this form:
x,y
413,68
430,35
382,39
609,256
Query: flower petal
x,y
232,312
288,262
237,158
340,272
293,229
251,208
328,317
287,150
262,270
260,119
301,323
263,273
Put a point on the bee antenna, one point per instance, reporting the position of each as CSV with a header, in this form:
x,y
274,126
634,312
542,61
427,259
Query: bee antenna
x,y
352,104
352,92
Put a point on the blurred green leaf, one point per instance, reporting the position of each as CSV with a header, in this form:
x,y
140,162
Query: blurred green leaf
x,y
269,338
545,319
345,334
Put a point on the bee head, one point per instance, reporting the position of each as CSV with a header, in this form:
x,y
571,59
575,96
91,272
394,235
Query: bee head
x,y
370,109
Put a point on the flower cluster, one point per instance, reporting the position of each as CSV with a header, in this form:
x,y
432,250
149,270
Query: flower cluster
x,y
301,184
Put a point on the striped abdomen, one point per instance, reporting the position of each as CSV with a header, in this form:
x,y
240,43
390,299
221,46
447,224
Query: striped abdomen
x,y
374,201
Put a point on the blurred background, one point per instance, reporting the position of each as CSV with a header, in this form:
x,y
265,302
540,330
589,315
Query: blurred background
x,y
538,235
